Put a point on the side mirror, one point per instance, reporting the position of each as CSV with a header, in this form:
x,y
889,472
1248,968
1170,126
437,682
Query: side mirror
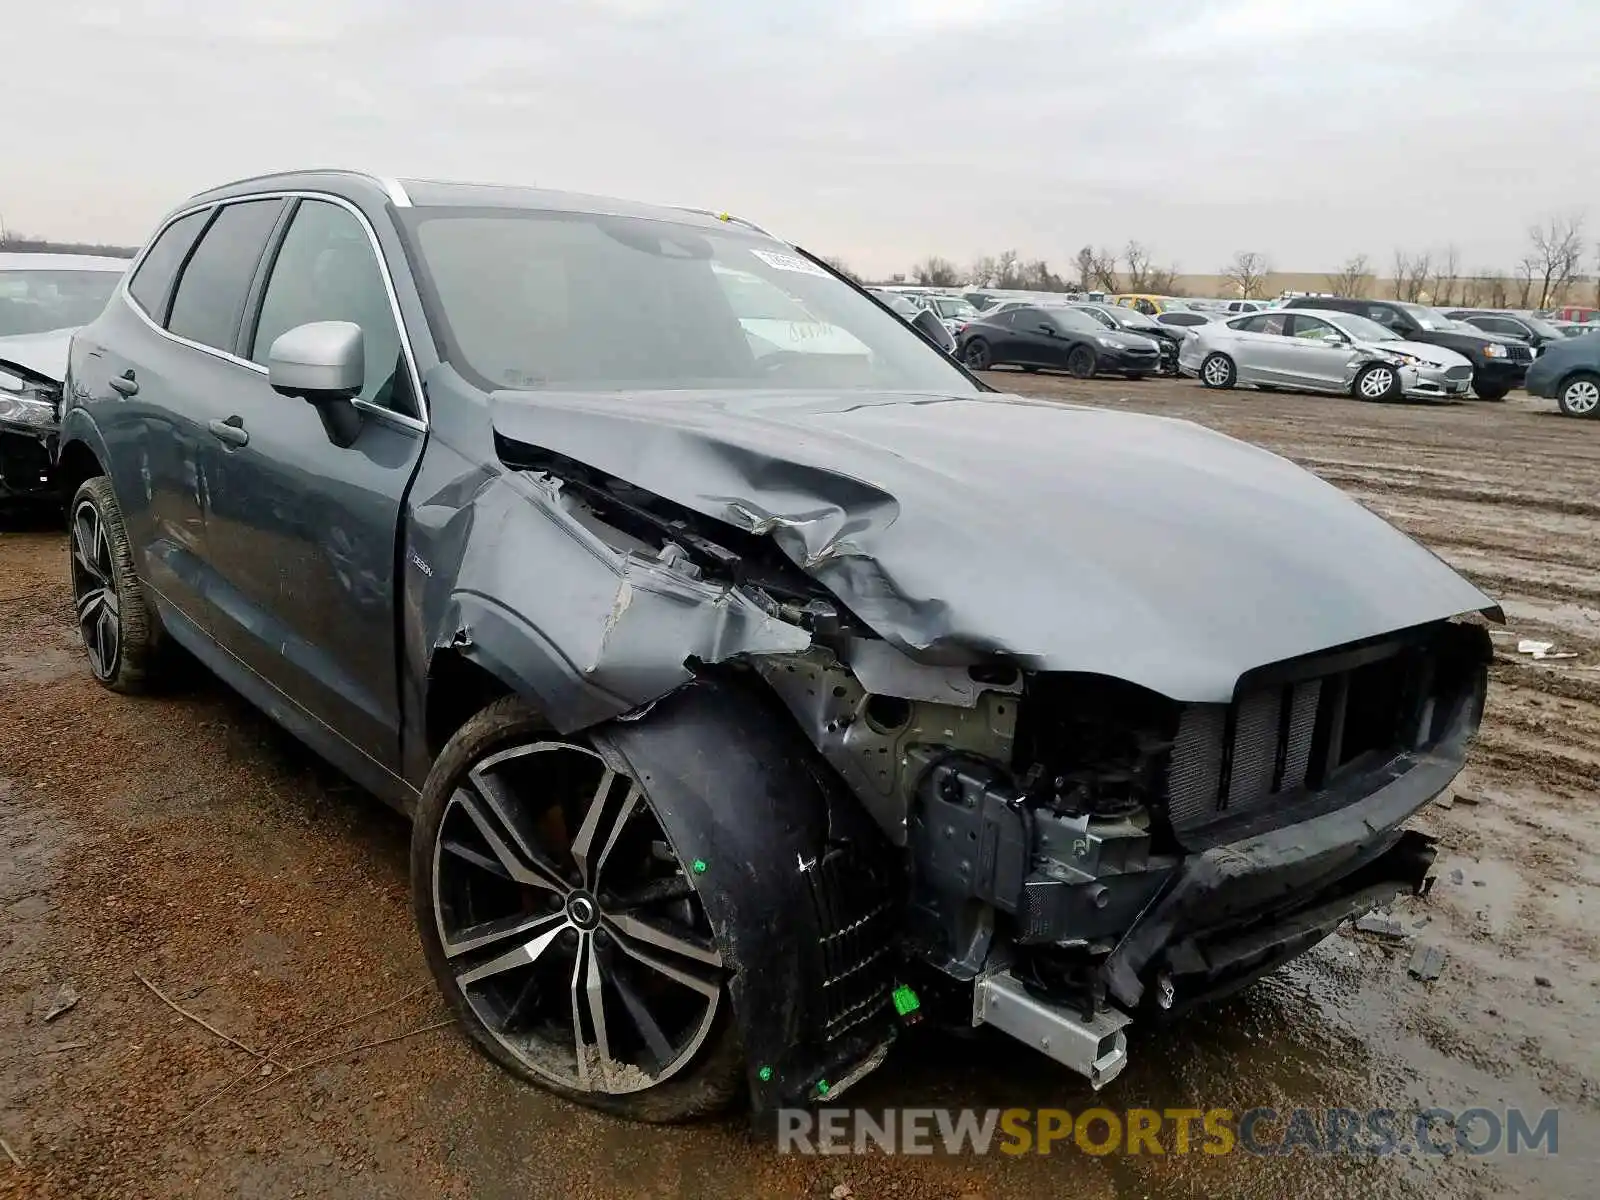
x,y
1047,329
321,361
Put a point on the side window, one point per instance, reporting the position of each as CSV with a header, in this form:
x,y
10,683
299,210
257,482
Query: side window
x,y
1313,329
1384,315
210,298
152,282
1273,322
326,271
1501,325
1004,318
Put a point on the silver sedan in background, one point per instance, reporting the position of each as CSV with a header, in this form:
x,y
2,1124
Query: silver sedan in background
x,y
1315,350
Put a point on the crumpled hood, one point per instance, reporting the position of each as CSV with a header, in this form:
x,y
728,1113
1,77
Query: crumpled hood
x,y
1440,356
44,354
1067,538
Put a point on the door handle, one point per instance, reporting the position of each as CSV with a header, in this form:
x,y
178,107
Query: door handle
x,y
125,384
230,432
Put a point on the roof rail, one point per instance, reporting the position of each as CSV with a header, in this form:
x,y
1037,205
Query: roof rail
x,y
723,216
392,188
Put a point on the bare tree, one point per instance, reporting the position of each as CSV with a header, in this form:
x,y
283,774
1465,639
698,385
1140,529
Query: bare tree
x,y
1038,277
1527,271
1352,279
998,271
1248,273
934,271
1163,281
1103,269
839,265
1446,269
1489,288
1138,260
1083,267
1411,273
1554,258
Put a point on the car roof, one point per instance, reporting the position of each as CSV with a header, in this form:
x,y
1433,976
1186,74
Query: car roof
x,y
28,260
434,193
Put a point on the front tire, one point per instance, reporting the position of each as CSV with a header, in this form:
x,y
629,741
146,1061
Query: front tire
x,y
1491,392
1580,395
1378,382
562,928
1081,363
1218,372
119,634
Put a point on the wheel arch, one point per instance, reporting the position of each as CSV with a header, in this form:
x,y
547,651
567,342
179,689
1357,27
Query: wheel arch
x,y
786,861
78,460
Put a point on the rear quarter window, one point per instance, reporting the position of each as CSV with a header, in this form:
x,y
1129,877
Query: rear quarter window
x,y
152,282
209,301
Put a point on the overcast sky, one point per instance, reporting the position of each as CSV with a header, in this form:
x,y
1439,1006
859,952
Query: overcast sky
x,y
875,130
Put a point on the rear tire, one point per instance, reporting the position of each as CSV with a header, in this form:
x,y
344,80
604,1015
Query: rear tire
x,y
1081,363
1580,395
1218,372
119,632
543,931
1378,382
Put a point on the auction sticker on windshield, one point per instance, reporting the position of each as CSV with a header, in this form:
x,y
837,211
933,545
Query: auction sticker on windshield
x,y
789,262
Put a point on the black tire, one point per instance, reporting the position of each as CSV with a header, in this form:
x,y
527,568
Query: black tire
x,y
976,355
120,634
1492,392
1580,395
1136,376
707,1076
1030,368
1378,382
1082,363
1218,372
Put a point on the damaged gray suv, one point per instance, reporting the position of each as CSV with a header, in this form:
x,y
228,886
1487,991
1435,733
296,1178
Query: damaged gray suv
x,y
753,674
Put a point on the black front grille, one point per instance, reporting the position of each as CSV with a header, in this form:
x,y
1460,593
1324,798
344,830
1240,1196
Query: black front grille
x,y
854,912
1285,736
1521,353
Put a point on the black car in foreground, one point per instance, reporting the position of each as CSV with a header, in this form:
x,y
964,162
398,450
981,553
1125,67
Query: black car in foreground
x,y
753,683
1498,363
1058,339
1569,373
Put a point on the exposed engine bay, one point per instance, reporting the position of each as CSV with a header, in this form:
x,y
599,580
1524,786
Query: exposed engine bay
x,y
1066,850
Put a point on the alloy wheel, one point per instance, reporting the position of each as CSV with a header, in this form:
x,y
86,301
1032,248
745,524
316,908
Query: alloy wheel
x,y
572,931
1377,383
1581,397
1080,363
94,590
1217,371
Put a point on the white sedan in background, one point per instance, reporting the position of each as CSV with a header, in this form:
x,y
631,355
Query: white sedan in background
x,y
1314,350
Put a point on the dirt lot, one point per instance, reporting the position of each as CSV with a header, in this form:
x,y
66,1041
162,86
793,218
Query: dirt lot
x,y
184,840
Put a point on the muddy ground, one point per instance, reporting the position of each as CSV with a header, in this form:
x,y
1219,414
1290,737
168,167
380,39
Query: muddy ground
x,y
185,840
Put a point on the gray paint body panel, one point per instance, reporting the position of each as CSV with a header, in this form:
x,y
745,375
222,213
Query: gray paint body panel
x,y
1066,538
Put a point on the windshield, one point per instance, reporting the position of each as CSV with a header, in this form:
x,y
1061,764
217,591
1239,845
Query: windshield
x,y
1129,319
899,304
1075,319
954,307
37,301
539,299
1361,329
1540,326
1430,318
